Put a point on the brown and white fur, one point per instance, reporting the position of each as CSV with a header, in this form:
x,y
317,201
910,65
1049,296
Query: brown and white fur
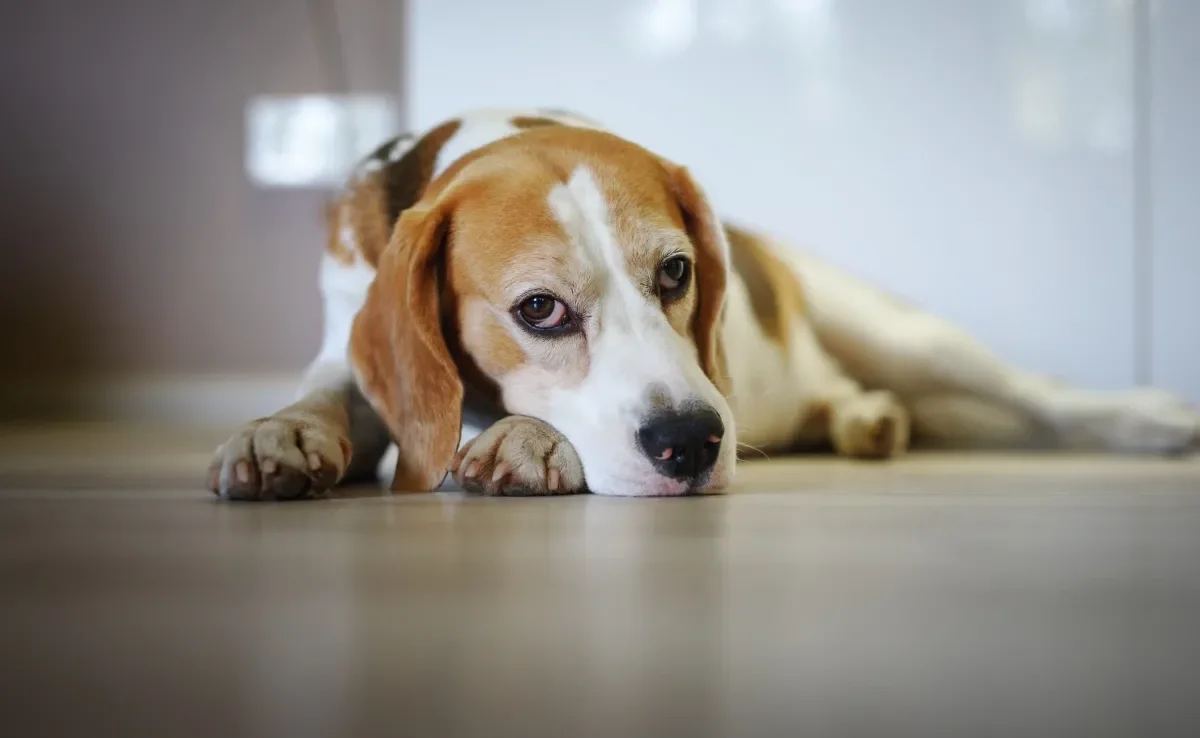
x,y
437,239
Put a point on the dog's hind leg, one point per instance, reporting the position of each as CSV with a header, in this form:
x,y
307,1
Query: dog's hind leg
x,y
960,393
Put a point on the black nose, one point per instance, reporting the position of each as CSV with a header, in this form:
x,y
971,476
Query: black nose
x,y
682,445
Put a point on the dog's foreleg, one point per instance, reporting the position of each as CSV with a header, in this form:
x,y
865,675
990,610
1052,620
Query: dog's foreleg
x,y
329,434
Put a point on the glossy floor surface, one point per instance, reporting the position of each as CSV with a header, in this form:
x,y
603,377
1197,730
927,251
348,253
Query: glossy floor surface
x,y
955,596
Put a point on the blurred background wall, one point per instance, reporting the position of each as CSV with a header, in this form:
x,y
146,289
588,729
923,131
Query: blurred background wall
x,y
136,246
1028,168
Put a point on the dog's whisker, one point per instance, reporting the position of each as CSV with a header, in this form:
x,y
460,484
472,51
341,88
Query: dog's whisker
x,y
756,449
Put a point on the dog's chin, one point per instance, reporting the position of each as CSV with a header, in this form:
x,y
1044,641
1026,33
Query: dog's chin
x,y
661,487
655,485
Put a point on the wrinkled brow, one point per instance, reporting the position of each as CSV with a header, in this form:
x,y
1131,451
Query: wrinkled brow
x,y
649,243
550,268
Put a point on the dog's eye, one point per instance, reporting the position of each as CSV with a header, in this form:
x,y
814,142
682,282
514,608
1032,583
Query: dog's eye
x,y
673,275
544,313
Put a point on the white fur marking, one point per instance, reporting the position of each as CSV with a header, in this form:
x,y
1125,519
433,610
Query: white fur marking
x,y
400,148
580,207
346,235
482,126
471,135
344,289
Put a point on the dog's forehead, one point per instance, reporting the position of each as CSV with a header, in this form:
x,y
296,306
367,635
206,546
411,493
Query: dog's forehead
x,y
608,229
575,199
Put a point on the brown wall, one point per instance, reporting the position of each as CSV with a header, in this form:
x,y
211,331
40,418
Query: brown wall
x,y
132,240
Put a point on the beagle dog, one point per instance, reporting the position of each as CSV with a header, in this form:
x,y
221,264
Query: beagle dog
x,y
537,306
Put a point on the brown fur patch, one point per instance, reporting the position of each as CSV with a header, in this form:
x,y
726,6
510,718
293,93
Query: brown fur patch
x,y
532,121
364,209
405,180
374,200
496,352
776,295
704,230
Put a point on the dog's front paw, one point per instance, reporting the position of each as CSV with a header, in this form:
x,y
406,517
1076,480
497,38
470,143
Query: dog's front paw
x,y
873,425
279,458
519,456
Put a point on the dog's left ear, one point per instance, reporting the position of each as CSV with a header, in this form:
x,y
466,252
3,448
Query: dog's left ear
x,y
711,272
399,352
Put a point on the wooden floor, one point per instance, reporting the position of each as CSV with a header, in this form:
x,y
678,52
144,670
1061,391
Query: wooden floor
x,y
939,596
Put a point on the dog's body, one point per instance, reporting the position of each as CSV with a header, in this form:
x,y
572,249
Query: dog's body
x,y
647,382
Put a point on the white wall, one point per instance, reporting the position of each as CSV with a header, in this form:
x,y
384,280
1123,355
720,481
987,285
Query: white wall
x,y
1174,196
979,157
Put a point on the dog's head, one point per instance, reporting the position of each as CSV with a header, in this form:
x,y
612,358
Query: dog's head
x,y
581,276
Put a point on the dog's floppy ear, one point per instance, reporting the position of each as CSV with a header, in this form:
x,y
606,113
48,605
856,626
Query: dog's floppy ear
x,y
399,352
711,272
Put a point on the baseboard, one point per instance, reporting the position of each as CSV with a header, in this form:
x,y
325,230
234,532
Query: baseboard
x,y
204,402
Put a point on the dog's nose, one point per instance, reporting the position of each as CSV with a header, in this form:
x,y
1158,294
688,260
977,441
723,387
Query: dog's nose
x,y
682,445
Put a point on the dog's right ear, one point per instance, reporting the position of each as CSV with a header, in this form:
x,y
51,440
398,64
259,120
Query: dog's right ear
x,y
707,235
399,353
